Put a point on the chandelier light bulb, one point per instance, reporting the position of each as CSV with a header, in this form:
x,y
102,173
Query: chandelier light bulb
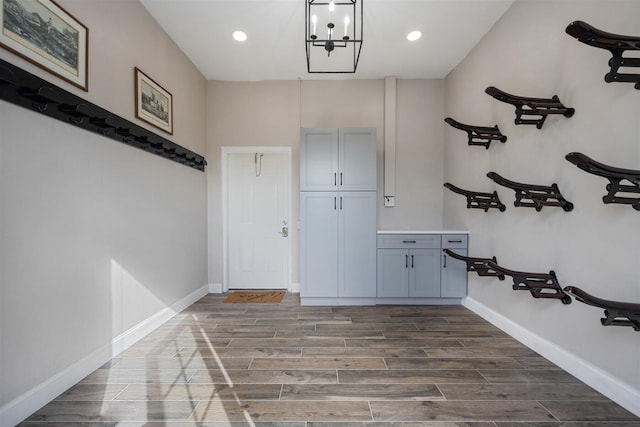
x,y
332,7
346,25
314,22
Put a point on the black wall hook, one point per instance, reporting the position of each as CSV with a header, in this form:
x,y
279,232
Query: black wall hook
x,y
540,285
616,44
534,107
479,265
615,176
535,196
476,200
616,313
478,135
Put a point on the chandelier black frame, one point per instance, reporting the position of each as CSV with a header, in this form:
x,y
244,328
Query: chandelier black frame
x,y
353,39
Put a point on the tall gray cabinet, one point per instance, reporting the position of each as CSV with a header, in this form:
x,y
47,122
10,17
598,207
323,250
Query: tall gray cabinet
x,y
338,183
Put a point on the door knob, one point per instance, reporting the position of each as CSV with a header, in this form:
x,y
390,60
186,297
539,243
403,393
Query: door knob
x,y
284,232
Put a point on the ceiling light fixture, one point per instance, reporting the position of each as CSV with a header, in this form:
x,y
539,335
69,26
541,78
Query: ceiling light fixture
x,y
414,35
322,53
239,36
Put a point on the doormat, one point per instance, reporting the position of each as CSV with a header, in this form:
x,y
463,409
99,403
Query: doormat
x,y
255,296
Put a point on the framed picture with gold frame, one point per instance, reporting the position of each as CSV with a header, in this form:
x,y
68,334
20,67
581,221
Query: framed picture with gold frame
x,y
48,36
154,104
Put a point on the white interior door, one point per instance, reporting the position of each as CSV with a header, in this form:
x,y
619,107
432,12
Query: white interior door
x,y
258,220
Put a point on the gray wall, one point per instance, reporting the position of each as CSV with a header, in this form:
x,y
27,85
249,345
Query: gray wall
x,y
95,236
272,113
595,246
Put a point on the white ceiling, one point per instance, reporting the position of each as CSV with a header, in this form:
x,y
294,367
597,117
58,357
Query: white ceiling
x,y
275,48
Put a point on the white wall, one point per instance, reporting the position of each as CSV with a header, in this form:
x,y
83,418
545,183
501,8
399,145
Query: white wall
x,y
96,237
272,113
594,247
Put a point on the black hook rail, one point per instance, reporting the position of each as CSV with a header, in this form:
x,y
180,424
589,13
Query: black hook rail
x,y
540,107
616,313
476,200
479,135
540,285
26,90
616,44
535,196
478,265
615,177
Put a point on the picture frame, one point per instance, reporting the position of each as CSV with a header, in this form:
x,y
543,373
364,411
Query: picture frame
x,y
154,104
43,33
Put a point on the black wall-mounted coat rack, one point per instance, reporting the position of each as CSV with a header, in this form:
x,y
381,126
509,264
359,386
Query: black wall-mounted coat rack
x,y
616,44
478,265
535,196
26,90
534,107
477,200
616,313
478,135
540,285
615,176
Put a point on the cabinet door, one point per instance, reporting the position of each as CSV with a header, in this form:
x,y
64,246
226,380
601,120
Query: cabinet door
x,y
358,159
318,243
318,159
357,244
454,276
393,273
424,273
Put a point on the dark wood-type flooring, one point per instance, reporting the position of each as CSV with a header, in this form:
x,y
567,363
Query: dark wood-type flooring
x,y
218,364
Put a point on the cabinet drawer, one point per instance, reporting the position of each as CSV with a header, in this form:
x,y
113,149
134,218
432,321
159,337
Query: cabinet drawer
x,y
453,241
409,241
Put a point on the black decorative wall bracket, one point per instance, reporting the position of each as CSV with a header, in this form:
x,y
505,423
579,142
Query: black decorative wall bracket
x,y
26,90
539,108
478,265
615,176
540,285
616,313
476,200
479,135
535,196
614,43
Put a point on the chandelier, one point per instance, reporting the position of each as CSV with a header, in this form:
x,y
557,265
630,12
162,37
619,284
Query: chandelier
x,y
333,35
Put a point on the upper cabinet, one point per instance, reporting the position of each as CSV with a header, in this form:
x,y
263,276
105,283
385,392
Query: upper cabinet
x,y
342,159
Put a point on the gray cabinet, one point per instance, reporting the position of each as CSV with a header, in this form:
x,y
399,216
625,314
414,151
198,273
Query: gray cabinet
x,y
338,159
454,271
338,216
412,268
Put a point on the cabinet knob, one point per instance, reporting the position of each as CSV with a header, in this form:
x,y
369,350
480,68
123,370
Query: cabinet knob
x,y
408,241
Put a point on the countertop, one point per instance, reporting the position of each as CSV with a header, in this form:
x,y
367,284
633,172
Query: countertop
x,y
422,232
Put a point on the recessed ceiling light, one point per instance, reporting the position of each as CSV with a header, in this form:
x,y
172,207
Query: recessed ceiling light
x,y
240,36
414,35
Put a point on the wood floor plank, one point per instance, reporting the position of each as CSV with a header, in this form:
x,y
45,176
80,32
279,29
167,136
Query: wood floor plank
x,y
290,376
460,411
452,363
524,391
319,363
113,411
324,352
595,411
340,392
283,411
196,392
406,376
398,342
528,376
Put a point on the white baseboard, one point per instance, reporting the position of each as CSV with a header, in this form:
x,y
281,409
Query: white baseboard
x,y
26,404
215,288
614,389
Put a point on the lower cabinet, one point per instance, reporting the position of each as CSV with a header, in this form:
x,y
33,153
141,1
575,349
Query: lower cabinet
x,y
413,266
